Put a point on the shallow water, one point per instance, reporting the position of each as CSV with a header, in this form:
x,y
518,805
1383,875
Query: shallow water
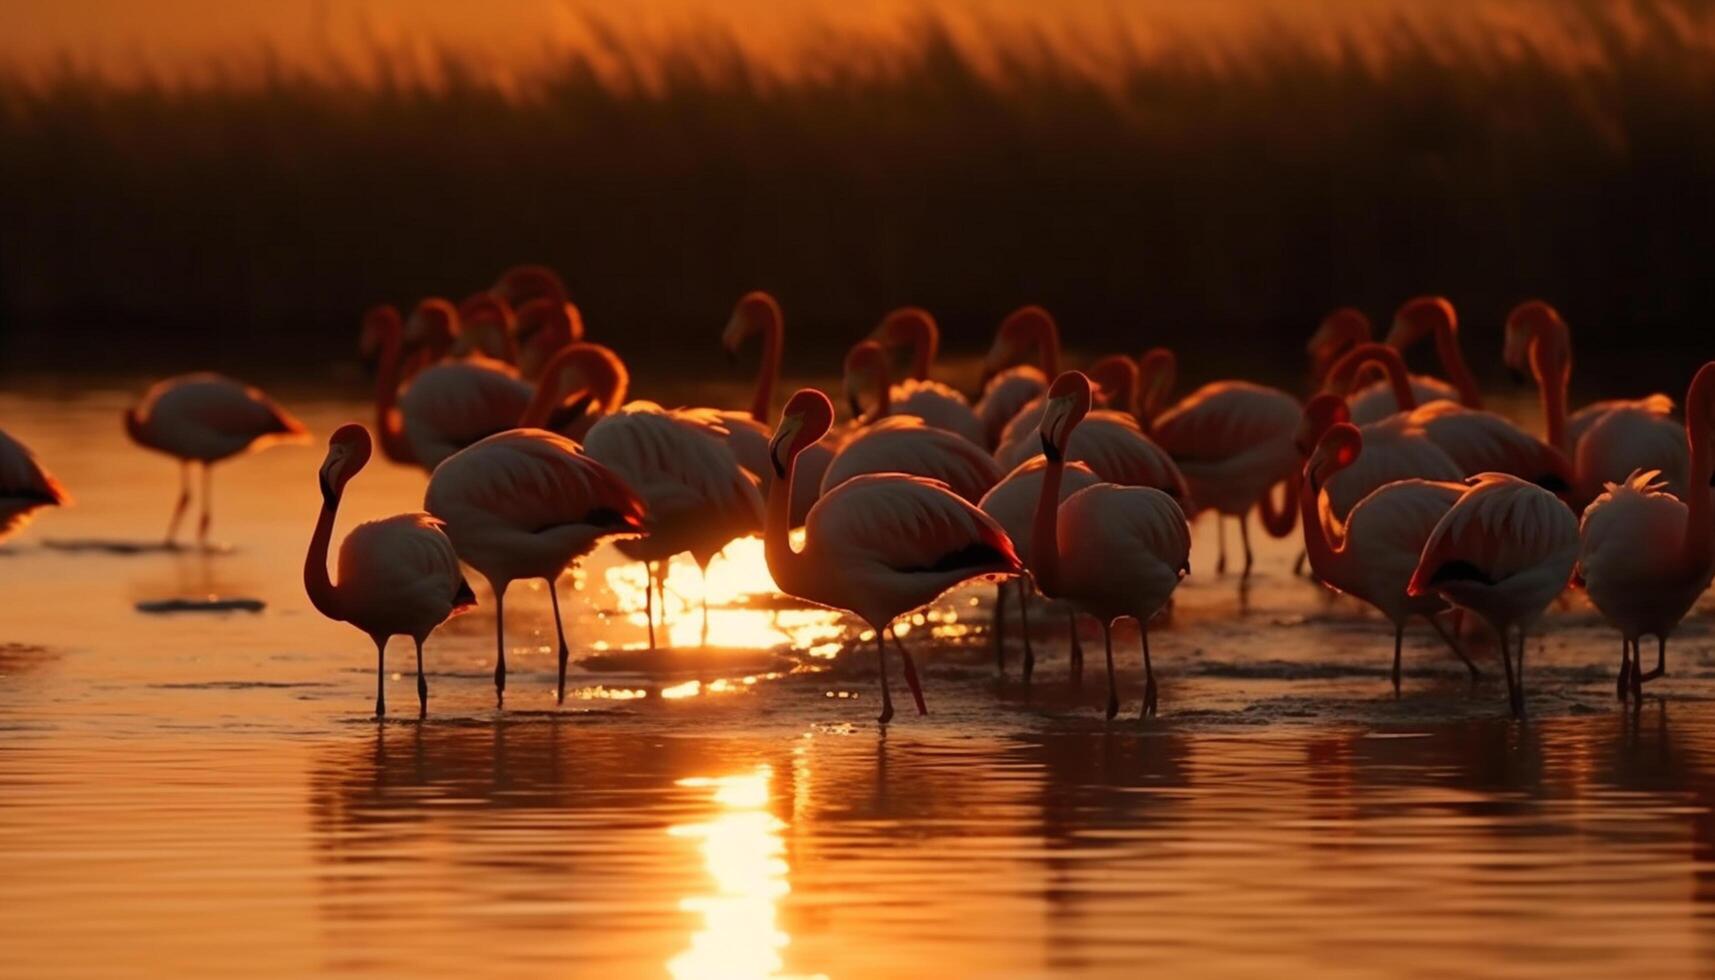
x,y
206,792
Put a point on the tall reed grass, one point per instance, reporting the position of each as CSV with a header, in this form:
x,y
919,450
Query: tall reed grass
x,y
1219,196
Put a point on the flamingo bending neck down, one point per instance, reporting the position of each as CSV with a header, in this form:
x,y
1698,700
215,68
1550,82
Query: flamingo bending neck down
x,y
1008,385
396,575
204,419
877,546
1234,443
523,504
1433,317
1112,551
1371,552
1647,556
1346,328
914,328
25,487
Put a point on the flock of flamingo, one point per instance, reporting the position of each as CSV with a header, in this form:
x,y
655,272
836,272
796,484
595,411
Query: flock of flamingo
x,y
1078,486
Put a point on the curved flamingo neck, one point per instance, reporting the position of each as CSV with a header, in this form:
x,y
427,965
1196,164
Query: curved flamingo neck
x,y
323,595
1279,522
925,338
1343,376
1047,345
1452,358
768,373
1045,529
1699,547
389,427
882,388
1324,553
1551,363
1158,371
605,374
788,567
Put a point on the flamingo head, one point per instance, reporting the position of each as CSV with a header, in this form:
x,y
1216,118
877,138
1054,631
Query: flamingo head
x,y
1157,371
380,322
756,312
1338,332
902,327
1337,449
1067,403
348,451
1115,377
1021,329
1535,331
432,326
1420,317
865,370
484,307
1321,414
523,283
807,418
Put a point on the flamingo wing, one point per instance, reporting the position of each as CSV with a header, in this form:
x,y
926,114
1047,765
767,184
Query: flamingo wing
x,y
404,567
1224,419
1500,528
907,524
940,406
210,417
906,444
454,404
1012,502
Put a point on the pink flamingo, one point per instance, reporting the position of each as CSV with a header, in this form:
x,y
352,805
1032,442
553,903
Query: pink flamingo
x,y
575,389
867,375
1012,504
524,504
1233,441
487,328
1346,328
205,419
758,315
906,444
25,487
1646,555
935,403
1504,550
1008,385
1606,441
1417,319
878,545
1372,552
396,575
1112,551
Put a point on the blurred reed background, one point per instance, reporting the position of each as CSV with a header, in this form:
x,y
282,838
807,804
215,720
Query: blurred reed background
x,y
1150,180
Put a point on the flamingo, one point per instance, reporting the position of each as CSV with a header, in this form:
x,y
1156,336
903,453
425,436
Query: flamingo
x,y
758,315
449,404
487,328
25,487
524,504
878,545
906,444
396,575
1606,441
866,371
1012,504
1476,440
1111,551
697,497
1416,319
1233,441
545,327
1008,385
936,403
1373,550
1504,550
205,419
594,374
1647,556
523,283
1346,328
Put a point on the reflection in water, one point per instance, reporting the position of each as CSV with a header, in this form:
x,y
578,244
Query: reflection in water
x,y
744,854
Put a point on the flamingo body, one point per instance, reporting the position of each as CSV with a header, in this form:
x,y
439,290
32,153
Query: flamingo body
x,y
1632,536
400,575
1123,550
1109,442
1004,396
1375,401
207,418
940,406
25,487
907,444
1012,502
1622,440
1232,440
454,404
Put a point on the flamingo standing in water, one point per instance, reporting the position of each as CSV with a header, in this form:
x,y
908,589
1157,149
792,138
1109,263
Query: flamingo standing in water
x,y
1012,504
1111,551
25,487
1504,550
1346,328
1233,441
1008,385
877,546
1605,441
524,504
1646,555
936,403
205,419
758,315
448,405
396,575
1373,550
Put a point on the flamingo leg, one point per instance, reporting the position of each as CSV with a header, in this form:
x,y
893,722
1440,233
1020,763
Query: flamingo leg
x,y
1454,645
1398,641
1149,695
1024,618
1623,687
1660,661
207,518
1298,563
422,682
649,601
1108,646
1076,649
910,672
1245,538
1519,708
1221,543
184,502
998,626
1512,684
380,668
500,647
886,696
560,630
705,570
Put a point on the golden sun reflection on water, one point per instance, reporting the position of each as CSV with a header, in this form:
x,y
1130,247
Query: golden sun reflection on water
x,y
744,854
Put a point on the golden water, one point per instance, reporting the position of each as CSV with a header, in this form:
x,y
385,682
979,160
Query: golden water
x,y
207,794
